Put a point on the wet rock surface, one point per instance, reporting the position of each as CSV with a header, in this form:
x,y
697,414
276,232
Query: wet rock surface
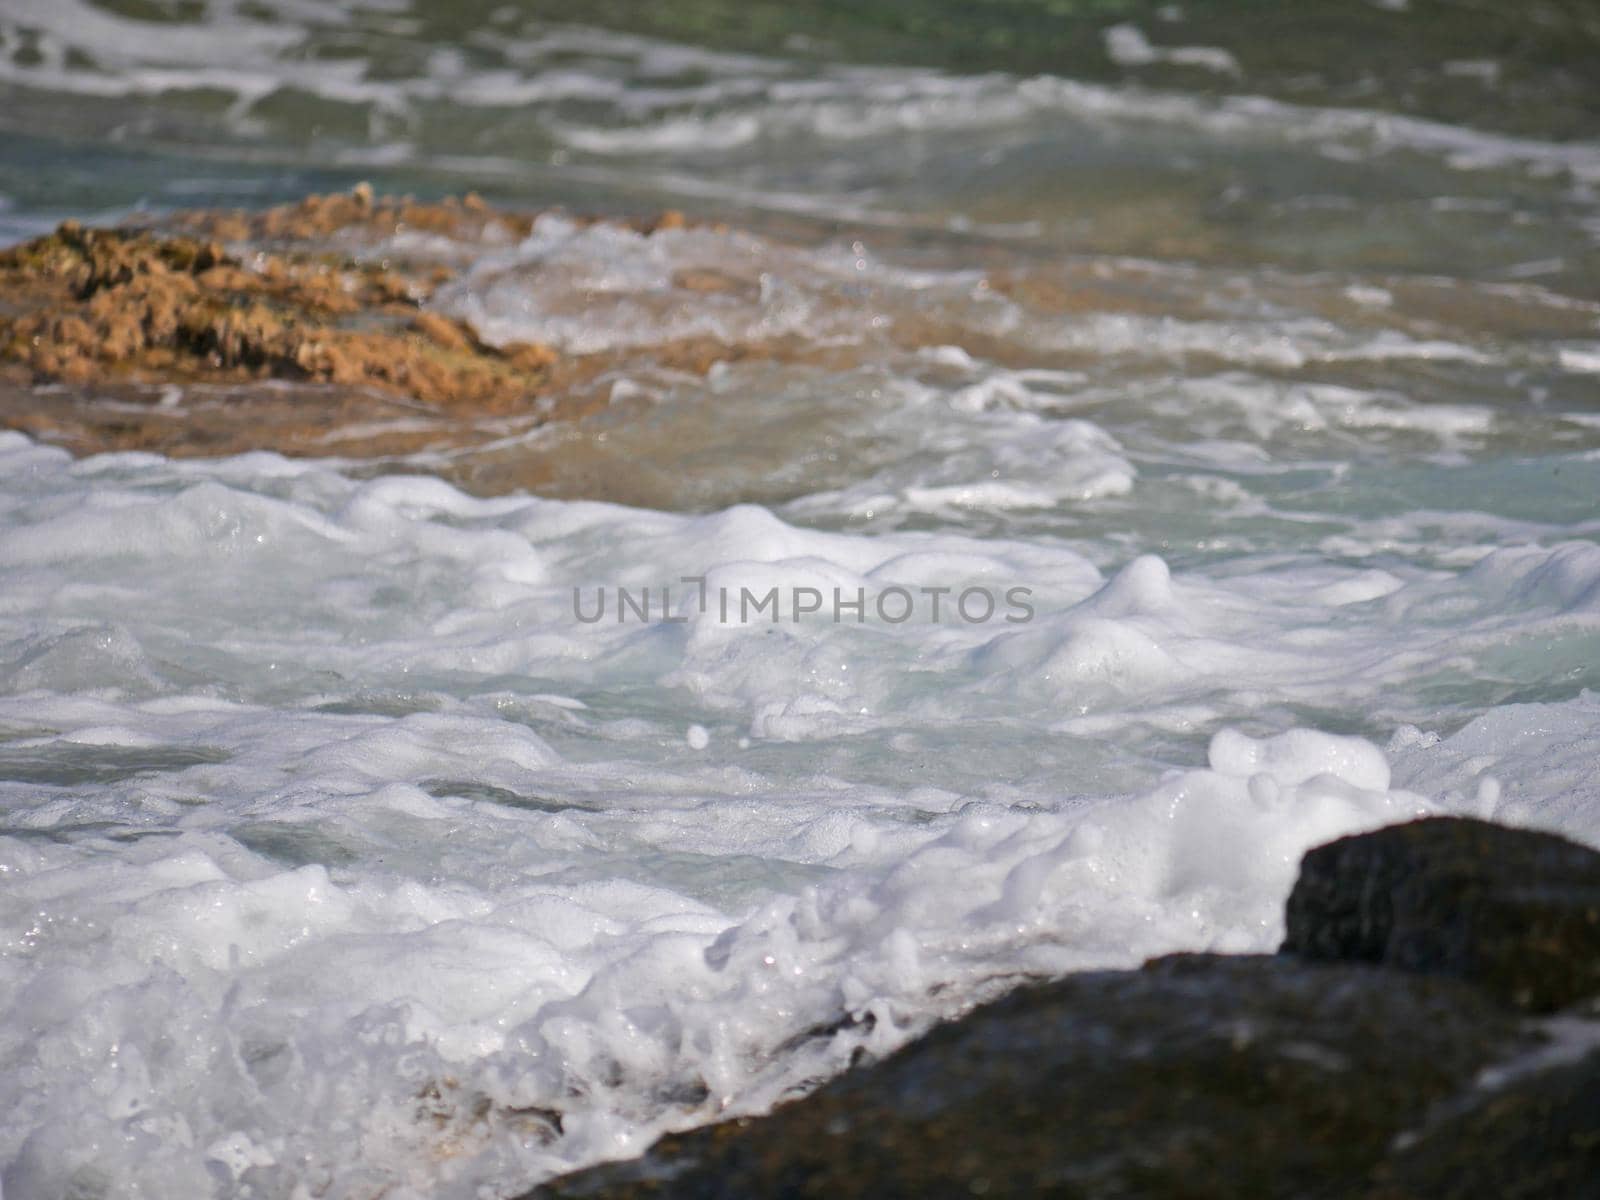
x,y
1534,1134
1358,1074
1514,911
107,314
138,305
299,329
333,327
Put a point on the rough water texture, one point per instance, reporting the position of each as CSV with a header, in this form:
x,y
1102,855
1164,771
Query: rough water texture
x,y
342,857
1315,1073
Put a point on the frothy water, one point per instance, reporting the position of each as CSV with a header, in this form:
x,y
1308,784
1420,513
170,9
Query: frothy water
x,y
331,825
344,853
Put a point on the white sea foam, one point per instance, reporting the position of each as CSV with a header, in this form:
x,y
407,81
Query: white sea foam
x,y
599,287
337,848
1128,46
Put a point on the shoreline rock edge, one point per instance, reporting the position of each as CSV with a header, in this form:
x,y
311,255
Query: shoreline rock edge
x,y
1389,1051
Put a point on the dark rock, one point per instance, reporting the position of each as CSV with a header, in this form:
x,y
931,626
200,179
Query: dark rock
x,y
1513,911
1536,1135
1197,1076
1379,1061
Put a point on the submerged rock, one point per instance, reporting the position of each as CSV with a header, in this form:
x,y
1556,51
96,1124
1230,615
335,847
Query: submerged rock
x,y
364,213
1216,1076
1514,911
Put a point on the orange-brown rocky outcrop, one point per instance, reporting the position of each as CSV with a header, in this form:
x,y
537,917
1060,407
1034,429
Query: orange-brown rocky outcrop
x,y
299,328
130,306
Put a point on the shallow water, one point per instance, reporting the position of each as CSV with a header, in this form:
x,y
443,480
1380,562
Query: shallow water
x,y
343,857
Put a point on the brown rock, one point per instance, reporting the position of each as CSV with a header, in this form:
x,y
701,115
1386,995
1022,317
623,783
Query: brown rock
x,y
444,332
168,338
131,306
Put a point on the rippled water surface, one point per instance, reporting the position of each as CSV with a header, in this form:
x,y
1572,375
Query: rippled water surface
x,y
339,857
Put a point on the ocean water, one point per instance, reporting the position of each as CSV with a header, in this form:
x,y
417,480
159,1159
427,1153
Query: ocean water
x,y
1189,452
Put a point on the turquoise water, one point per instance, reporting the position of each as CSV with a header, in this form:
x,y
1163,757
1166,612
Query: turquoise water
x,y
1265,145
1259,343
